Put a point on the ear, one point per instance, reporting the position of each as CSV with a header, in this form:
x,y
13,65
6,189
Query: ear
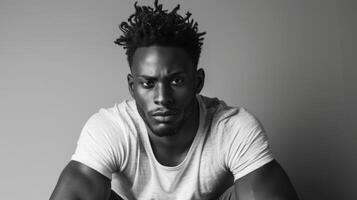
x,y
131,84
200,76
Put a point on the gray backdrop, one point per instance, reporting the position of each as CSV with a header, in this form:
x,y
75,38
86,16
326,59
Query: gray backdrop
x,y
290,62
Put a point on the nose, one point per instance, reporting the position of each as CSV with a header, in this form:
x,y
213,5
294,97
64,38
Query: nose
x,y
163,95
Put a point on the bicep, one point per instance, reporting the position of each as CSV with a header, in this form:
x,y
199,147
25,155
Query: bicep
x,y
77,181
267,182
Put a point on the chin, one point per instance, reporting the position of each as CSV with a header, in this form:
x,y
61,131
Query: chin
x,y
163,131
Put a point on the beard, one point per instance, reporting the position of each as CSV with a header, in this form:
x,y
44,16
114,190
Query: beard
x,y
163,131
166,129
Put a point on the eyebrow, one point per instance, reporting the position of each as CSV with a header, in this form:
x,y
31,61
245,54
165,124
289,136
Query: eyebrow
x,y
169,75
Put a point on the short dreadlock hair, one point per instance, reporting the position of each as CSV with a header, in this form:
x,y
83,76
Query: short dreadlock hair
x,y
154,26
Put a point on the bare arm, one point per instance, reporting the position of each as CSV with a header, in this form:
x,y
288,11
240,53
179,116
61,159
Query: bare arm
x,y
79,182
269,182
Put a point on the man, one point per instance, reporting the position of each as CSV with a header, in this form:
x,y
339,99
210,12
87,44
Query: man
x,y
170,142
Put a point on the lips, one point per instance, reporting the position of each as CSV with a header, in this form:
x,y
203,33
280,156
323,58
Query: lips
x,y
165,119
165,116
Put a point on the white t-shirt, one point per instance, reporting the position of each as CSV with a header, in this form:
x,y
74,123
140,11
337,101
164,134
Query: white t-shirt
x,y
230,143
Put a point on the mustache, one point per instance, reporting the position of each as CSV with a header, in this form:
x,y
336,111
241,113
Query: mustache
x,y
163,112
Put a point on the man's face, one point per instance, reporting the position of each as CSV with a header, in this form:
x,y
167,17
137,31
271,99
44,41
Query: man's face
x,y
164,82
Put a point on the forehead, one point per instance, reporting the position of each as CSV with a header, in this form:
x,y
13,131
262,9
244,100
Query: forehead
x,y
161,59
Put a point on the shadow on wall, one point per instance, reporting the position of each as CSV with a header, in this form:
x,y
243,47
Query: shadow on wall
x,y
318,160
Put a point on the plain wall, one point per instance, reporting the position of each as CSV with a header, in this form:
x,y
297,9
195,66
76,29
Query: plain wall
x,y
290,62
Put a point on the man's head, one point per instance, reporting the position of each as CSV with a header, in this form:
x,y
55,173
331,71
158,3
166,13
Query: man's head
x,y
154,26
163,51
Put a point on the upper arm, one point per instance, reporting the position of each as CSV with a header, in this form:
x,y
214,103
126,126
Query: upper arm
x,y
246,146
77,181
101,145
266,183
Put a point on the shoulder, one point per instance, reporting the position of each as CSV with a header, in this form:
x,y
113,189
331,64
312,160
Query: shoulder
x,y
231,124
241,127
225,116
105,140
242,119
119,111
112,120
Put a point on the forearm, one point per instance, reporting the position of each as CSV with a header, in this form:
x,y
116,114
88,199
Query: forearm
x,y
114,196
229,194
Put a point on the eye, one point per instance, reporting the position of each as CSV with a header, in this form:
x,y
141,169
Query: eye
x,y
177,81
147,83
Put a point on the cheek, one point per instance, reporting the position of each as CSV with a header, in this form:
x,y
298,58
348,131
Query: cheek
x,y
184,95
142,98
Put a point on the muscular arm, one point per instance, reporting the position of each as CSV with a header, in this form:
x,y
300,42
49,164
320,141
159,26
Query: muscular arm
x,y
269,182
79,182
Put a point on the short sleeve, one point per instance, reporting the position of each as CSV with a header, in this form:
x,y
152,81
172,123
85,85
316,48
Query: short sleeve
x,y
96,146
248,147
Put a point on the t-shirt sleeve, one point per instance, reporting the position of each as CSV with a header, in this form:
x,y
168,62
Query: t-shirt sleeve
x,y
248,147
96,148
